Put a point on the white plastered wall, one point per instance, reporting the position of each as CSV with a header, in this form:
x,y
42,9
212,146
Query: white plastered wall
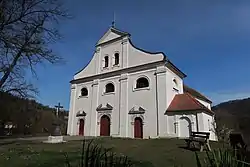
x,y
173,126
206,104
208,124
144,98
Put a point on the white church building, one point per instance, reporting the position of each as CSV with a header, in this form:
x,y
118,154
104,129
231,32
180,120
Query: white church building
x,y
125,91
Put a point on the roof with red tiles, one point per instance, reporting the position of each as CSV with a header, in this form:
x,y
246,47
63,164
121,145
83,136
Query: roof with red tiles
x,y
186,102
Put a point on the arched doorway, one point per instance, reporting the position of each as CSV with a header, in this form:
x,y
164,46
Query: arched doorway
x,y
105,126
185,127
81,127
138,128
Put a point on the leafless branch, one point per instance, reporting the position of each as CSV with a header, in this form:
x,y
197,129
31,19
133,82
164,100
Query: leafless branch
x,y
27,27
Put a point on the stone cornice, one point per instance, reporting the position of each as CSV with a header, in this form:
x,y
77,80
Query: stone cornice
x,y
123,77
98,49
125,41
95,82
174,69
160,71
118,72
111,41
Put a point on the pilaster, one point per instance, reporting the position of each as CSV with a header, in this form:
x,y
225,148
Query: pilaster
x,y
94,104
123,108
161,100
125,53
99,60
200,122
71,120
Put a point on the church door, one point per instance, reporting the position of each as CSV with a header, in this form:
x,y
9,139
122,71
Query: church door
x,y
105,126
81,128
138,128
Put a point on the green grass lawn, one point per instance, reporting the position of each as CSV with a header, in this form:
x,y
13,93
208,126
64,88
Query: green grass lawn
x,y
151,153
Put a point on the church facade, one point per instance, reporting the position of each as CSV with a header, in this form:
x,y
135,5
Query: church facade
x,y
125,91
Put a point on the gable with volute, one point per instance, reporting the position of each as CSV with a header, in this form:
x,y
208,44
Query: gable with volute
x,y
117,42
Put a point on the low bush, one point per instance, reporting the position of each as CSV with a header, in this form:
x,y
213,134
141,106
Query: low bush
x,y
94,155
222,158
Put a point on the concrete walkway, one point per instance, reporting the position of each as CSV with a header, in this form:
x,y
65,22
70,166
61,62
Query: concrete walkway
x,y
43,138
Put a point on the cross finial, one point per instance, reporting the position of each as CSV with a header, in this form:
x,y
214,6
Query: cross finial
x,y
113,22
58,107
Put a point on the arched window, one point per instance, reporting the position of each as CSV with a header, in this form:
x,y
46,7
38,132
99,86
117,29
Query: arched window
x,y
175,83
142,83
116,58
110,88
175,86
106,61
84,92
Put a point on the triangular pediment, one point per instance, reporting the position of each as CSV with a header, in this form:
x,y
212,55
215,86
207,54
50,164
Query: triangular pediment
x,y
104,107
137,110
80,114
111,34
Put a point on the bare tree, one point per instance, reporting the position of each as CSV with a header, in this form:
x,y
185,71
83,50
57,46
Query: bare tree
x,y
27,30
222,132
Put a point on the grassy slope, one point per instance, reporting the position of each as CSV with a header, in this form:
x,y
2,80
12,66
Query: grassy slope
x,y
157,153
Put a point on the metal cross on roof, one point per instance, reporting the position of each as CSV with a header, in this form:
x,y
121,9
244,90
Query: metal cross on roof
x,y
113,22
58,108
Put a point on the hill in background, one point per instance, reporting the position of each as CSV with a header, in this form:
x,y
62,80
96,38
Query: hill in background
x,y
28,117
235,115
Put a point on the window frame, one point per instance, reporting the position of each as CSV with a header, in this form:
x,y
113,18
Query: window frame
x,y
175,82
176,90
81,92
135,88
139,87
175,86
106,62
116,58
105,88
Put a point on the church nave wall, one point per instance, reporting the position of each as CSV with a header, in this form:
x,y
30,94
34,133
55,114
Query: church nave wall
x,y
145,98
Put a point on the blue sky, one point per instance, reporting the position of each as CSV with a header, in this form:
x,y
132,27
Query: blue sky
x,y
207,40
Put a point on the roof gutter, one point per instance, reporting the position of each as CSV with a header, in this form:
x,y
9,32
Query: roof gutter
x,y
183,75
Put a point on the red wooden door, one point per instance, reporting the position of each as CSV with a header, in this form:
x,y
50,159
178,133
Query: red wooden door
x,y
105,126
81,127
138,129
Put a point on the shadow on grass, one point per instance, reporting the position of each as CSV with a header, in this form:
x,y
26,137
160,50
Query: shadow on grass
x,y
3,143
18,143
190,149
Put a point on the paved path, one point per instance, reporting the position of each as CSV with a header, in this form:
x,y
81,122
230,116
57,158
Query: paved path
x,y
44,138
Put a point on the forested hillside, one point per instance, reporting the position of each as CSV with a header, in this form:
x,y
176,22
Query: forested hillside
x,y
234,115
27,116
